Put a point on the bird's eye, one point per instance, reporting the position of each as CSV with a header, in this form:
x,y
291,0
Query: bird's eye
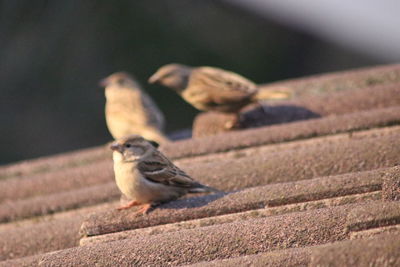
x,y
127,145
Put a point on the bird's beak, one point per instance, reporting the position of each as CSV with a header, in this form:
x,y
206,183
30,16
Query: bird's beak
x,y
154,78
115,147
104,82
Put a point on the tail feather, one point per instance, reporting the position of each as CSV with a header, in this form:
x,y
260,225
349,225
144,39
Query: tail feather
x,y
204,189
274,93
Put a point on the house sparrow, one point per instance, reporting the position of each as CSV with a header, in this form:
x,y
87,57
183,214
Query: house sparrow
x,y
211,89
129,110
146,176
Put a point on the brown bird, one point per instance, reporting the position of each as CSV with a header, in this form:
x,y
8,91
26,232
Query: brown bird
x,y
207,88
129,110
212,89
147,177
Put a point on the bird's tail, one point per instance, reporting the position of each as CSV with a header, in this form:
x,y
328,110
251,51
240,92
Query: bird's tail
x,y
204,189
274,93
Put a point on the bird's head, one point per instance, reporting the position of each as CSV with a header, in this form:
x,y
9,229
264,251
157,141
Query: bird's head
x,y
175,76
118,80
132,148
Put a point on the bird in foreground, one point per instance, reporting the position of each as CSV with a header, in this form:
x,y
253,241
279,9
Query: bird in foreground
x,y
147,177
212,89
129,110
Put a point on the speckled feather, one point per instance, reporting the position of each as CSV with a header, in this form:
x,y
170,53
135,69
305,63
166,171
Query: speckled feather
x,y
130,110
216,89
159,169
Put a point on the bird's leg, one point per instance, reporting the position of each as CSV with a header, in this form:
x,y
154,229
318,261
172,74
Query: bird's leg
x,y
145,209
128,205
262,107
233,123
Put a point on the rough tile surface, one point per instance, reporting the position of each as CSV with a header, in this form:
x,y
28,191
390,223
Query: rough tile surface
x,y
321,188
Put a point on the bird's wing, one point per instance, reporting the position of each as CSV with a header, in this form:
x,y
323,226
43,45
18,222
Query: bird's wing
x,y
159,169
221,85
153,113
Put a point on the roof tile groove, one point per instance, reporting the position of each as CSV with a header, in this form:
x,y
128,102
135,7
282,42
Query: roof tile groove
x,y
332,82
307,107
322,190
391,186
349,101
85,175
217,242
207,243
48,236
284,132
269,164
41,205
252,198
54,162
22,262
221,219
375,215
342,80
59,201
298,160
43,234
61,180
395,229
292,257
381,250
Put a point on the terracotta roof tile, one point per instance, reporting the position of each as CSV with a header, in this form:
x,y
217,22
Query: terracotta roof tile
x,y
39,238
306,107
61,180
45,164
391,186
43,234
341,80
315,192
292,257
220,241
298,160
59,201
251,198
269,164
308,86
22,262
379,251
284,132
221,219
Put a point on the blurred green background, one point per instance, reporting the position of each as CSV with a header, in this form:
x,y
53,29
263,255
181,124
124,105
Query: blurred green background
x,y
52,54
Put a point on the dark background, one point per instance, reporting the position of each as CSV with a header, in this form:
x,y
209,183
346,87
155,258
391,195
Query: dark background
x,y
52,54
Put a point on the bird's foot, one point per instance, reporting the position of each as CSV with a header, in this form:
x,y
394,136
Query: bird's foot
x,y
263,107
232,124
145,209
128,205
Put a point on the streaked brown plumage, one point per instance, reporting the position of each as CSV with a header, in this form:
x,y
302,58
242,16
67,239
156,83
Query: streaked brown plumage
x,y
208,88
129,110
147,177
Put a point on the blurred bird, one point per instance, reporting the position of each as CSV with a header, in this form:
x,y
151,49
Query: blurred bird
x,y
129,110
212,89
147,177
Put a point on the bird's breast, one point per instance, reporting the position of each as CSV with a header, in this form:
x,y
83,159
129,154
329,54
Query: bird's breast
x,y
198,98
127,178
132,184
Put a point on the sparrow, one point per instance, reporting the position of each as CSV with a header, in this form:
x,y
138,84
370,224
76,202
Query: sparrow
x,y
129,110
213,89
147,177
